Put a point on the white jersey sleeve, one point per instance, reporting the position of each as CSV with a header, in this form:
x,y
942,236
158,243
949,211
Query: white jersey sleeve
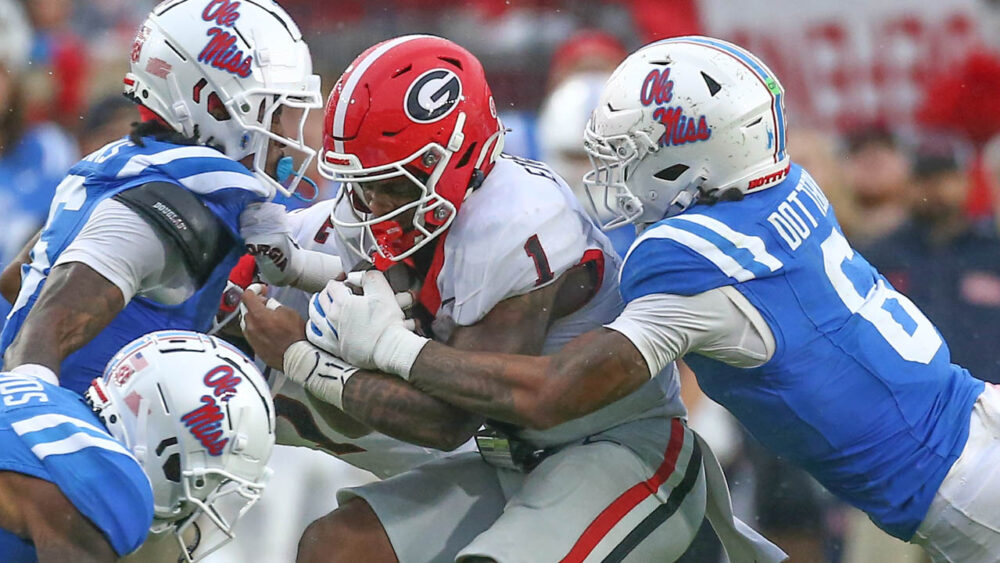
x,y
120,246
719,323
519,232
313,229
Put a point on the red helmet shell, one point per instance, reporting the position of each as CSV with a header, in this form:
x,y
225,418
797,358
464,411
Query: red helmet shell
x,y
404,94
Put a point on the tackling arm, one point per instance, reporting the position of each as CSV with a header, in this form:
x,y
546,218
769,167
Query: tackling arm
x,y
601,366
516,326
383,402
76,304
594,370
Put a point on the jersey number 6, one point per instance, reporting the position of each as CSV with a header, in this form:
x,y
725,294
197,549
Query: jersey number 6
x,y
895,317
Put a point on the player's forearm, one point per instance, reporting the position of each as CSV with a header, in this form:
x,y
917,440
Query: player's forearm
x,y
76,304
503,387
396,408
592,371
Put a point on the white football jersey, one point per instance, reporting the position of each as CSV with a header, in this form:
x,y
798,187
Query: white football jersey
x,y
520,230
299,423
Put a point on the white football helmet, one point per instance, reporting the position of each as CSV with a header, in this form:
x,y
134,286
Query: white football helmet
x,y
684,120
198,416
219,70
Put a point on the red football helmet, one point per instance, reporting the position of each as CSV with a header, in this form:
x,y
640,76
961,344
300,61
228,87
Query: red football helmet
x,y
416,107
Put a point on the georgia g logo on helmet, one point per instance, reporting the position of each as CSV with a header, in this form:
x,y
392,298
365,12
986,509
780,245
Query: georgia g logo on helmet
x,y
432,95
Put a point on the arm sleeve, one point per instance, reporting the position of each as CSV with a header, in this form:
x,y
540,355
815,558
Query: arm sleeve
x,y
119,245
716,324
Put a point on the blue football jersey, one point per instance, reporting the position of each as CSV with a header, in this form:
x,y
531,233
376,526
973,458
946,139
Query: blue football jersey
x,y
860,390
50,433
222,184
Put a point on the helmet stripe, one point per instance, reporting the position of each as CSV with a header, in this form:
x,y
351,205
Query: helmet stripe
x,y
340,115
760,71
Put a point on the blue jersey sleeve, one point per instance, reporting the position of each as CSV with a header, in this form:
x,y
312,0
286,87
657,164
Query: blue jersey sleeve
x,y
663,266
693,253
48,432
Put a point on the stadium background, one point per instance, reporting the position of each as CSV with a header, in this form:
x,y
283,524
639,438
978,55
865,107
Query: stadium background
x,y
893,105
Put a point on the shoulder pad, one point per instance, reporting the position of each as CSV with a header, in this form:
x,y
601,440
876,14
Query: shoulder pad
x,y
183,220
691,254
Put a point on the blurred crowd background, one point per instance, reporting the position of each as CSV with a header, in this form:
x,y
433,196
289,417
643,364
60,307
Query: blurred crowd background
x,y
893,106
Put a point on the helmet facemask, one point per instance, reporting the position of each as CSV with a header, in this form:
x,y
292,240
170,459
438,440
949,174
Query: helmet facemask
x,y
289,107
230,498
433,213
605,184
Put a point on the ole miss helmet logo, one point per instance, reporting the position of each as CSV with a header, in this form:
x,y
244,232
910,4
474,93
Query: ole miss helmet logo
x,y
433,95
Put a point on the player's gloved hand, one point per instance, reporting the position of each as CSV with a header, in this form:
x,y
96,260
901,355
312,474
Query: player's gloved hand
x,y
323,375
269,239
368,331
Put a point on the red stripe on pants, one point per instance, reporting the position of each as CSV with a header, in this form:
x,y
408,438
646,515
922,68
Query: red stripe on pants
x,y
610,516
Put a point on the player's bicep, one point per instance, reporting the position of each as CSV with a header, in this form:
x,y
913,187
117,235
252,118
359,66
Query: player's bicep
x,y
128,252
75,305
665,327
662,327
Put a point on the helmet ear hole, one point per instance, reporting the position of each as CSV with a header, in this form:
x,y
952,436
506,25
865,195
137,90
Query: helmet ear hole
x,y
671,173
217,109
172,468
467,156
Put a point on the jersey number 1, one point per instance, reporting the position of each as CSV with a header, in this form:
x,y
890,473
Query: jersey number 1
x,y
534,249
894,316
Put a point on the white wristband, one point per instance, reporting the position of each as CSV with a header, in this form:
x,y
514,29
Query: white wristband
x,y
322,374
39,371
397,349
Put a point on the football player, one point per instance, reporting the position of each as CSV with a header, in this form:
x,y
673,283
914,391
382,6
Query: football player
x,y
510,262
304,420
143,232
179,426
743,270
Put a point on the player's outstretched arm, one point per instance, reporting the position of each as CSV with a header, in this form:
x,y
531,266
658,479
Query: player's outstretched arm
x,y
382,402
517,326
471,373
75,305
593,370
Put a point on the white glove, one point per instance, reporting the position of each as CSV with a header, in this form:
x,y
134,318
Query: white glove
x,y
368,331
264,227
322,374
